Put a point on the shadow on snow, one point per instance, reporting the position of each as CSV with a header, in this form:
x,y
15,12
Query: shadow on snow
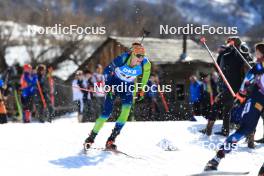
x,y
80,160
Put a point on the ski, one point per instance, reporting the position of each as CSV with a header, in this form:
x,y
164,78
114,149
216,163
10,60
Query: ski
x,y
120,152
112,151
209,173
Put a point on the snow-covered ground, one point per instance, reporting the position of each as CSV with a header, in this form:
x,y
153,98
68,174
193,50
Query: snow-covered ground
x,y
55,150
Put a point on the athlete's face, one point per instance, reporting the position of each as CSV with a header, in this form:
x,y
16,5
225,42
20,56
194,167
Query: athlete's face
x,y
259,56
136,59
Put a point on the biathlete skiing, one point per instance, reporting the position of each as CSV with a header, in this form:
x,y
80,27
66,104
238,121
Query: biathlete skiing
x,y
123,70
253,88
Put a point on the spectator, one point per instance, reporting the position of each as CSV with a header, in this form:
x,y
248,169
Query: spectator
x,y
152,97
88,110
195,95
42,98
51,91
8,91
206,94
232,67
28,83
98,79
214,80
78,94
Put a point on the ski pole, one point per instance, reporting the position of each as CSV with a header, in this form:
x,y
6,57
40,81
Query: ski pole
x,y
76,87
232,43
87,90
145,34
203,40
164,102
41,95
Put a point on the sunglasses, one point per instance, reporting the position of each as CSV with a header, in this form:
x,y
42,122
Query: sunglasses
x,y
140,55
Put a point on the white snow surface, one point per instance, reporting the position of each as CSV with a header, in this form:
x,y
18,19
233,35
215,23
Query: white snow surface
x,y
56,150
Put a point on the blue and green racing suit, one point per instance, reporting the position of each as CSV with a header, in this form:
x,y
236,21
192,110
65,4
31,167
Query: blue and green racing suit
x,y
119,74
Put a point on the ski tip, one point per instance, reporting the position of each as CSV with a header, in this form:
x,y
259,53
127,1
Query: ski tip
x,y
202,39
224,173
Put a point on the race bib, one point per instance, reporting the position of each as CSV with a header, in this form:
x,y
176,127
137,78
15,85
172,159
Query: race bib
x,y
127,73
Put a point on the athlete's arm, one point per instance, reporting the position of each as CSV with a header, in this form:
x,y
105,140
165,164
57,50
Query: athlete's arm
x,y
146,72
117,62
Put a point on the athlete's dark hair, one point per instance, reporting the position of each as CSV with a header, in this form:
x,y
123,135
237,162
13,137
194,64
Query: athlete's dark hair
x,y
260,47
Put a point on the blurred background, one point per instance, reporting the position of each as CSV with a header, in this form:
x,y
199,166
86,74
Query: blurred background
x,y
175,58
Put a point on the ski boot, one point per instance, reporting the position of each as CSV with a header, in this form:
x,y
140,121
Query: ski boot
x,y
49,120
203,131
111,140
211,165
225,128
250,140
223,132
110,145
89,141
208,129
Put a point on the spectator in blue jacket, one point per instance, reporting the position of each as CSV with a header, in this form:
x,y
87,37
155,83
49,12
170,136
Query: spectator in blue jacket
x,y
196,89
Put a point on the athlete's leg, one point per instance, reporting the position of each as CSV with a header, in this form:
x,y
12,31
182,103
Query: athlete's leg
x,y
250,117
108,107
127,99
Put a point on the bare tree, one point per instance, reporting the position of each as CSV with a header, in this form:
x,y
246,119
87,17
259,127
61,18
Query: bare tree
x,y
67,50
5,34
